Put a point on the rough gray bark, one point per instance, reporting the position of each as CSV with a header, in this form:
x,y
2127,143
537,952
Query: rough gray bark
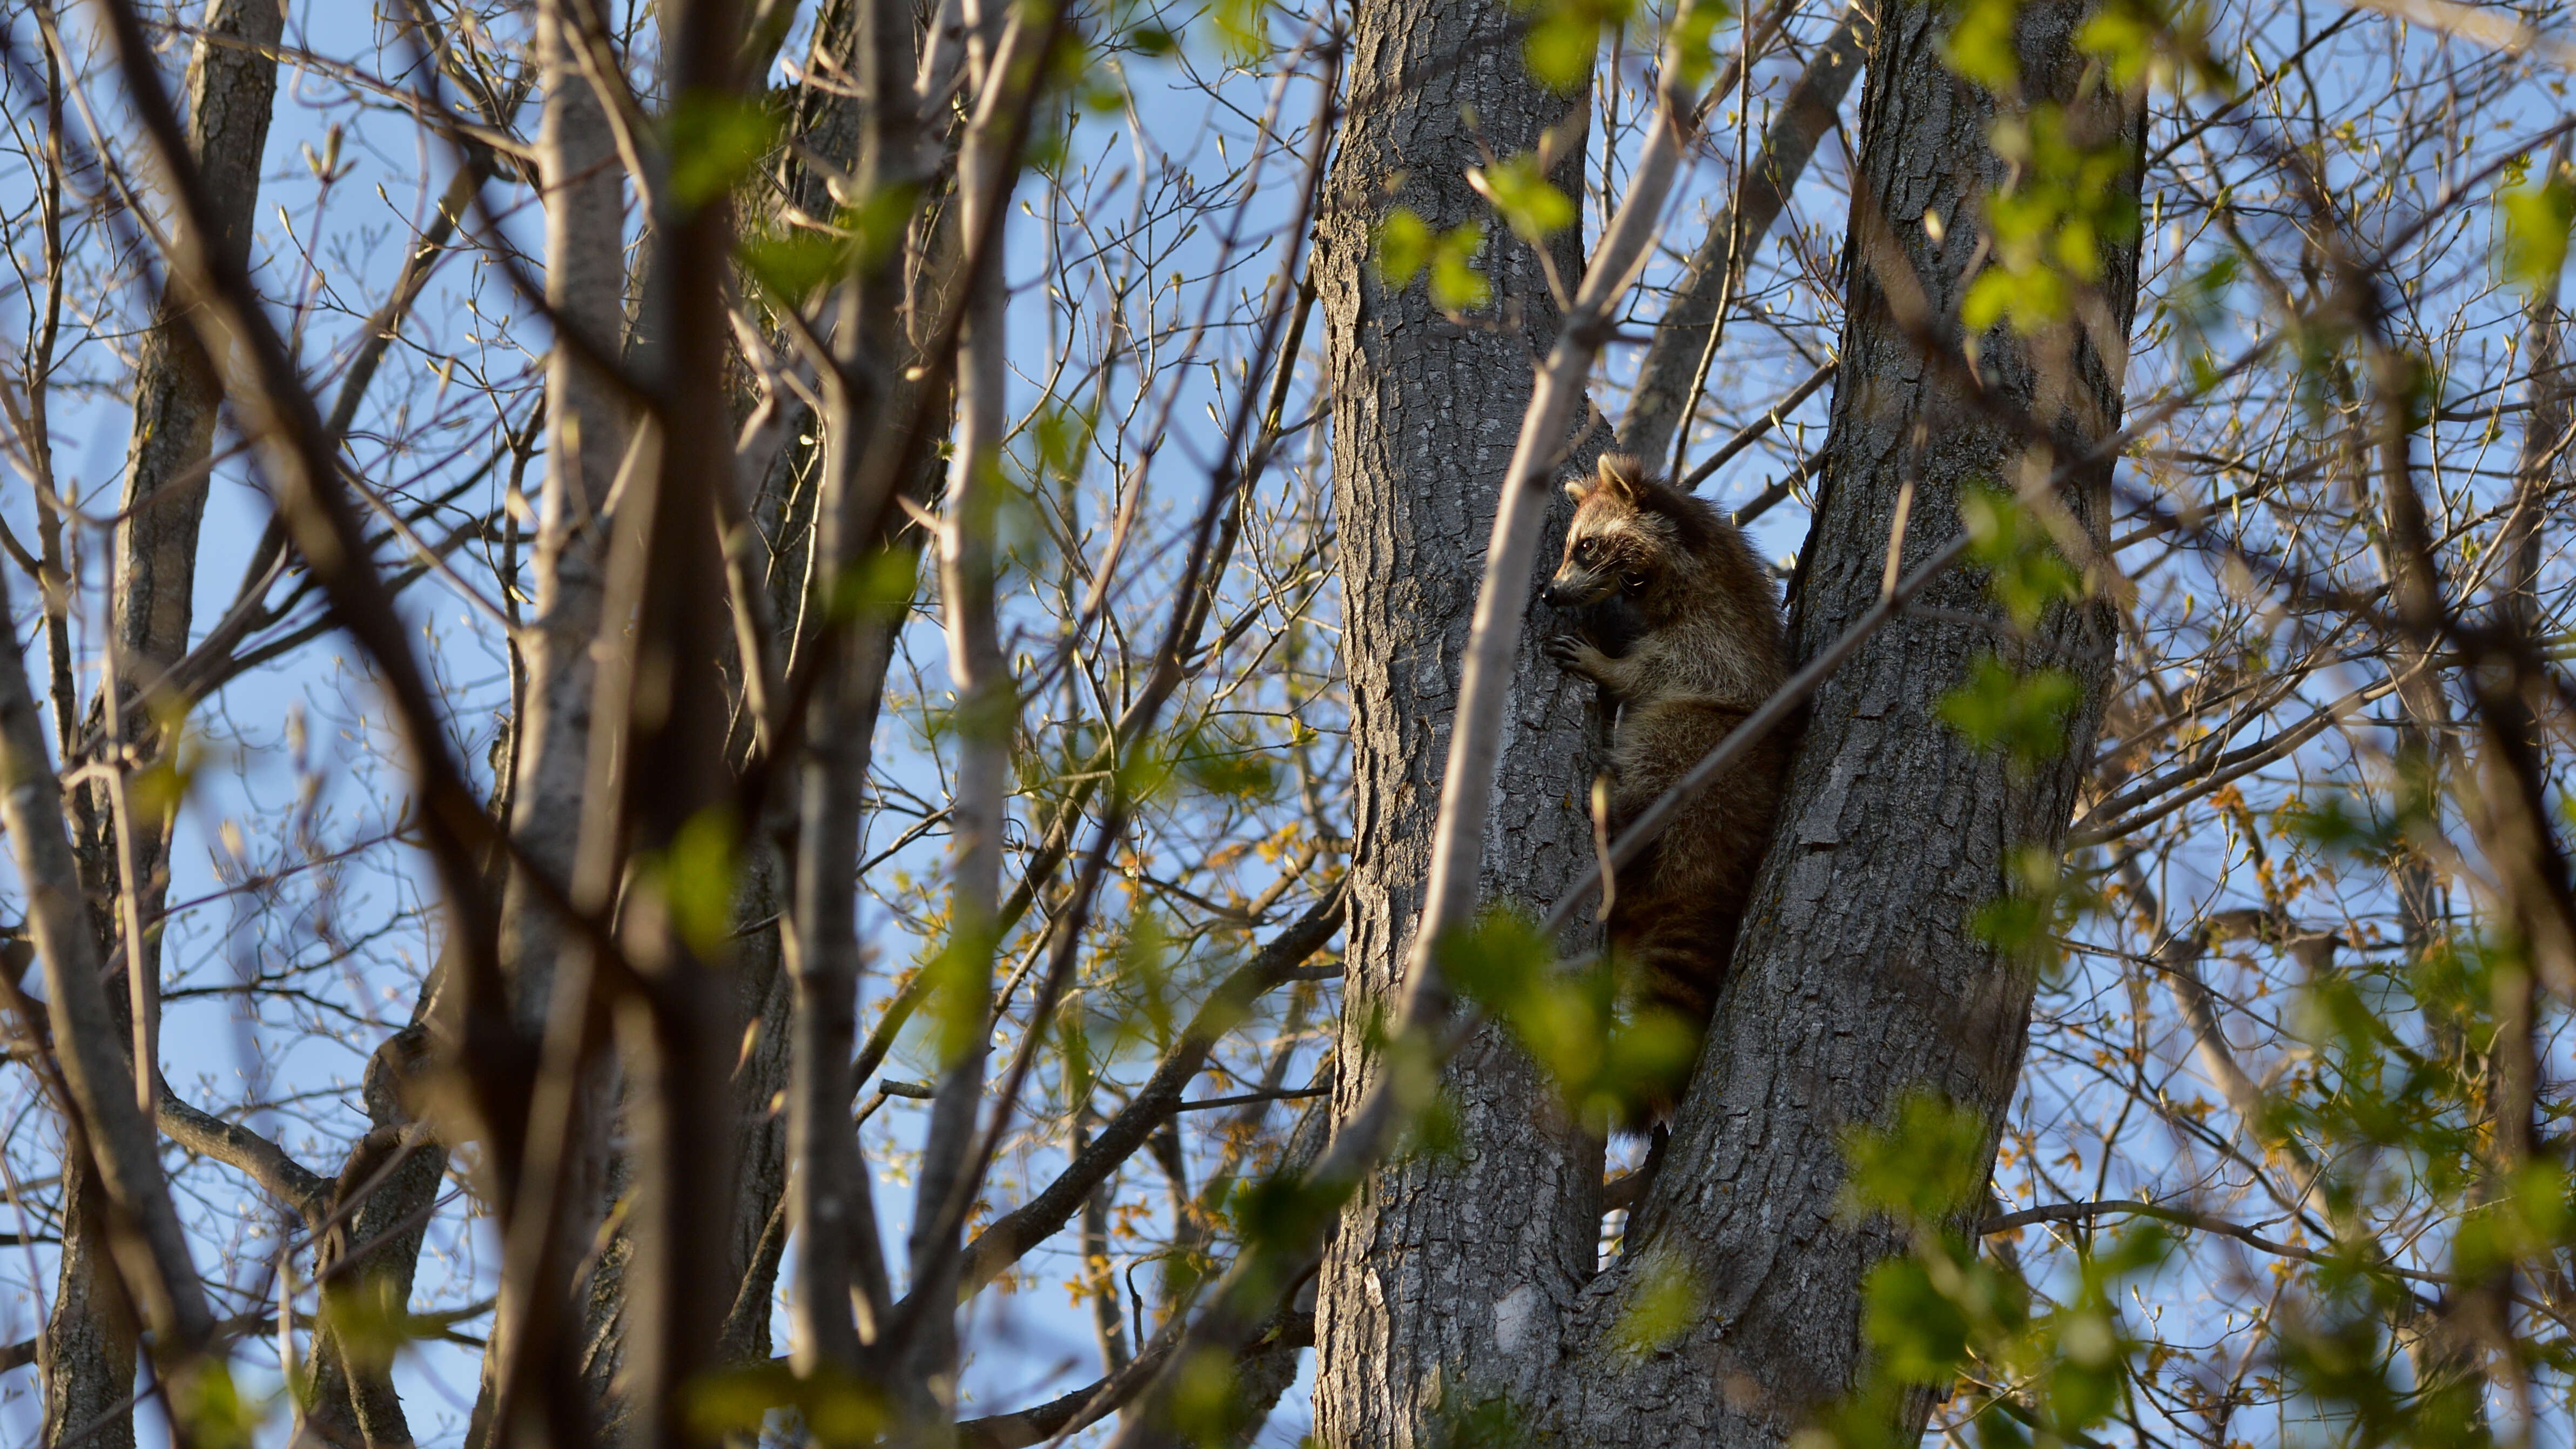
x,y
1441,1258
2542,462
232,89
764,994
373,1256
1682,334
86,1354
1859,978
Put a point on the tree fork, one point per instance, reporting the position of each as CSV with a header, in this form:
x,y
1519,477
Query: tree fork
x,y
1860,977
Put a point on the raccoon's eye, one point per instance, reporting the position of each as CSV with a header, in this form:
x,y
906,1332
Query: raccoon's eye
x,y
1587,548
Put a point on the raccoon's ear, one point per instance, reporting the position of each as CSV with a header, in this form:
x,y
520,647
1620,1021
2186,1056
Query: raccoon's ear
x,y
1624,476
1578,489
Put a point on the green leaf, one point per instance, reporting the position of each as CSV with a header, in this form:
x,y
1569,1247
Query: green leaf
x,y
1073,1046
2086,1385
1924,1168
2125,36
1916,1328
1456,285
1533,208
1236,769
1561,47
1694,39
835,1408
1406,245
2532,228
1145,771
715,139
2014,924
1241,25
877,583
1485,1423
1207,1407
738,1400
961,985
1144,970
1277,1217
2157,42
792,266
2029,300
1499,960
2024,715
1665,1301
1565,37
2024,570
1064,439
2046,228
1568,1021
161,786
1403,247
1100,95
1648,1060
366,1318
213,1408
2526,1222
1281,1210
1980,46
698,878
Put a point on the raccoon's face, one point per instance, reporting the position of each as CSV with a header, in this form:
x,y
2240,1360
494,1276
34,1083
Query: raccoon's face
x,y
1607,552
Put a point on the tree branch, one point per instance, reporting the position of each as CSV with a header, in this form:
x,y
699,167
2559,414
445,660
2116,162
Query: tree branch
x,y
255,1157
1458,843
86,1040
1070,1413
1665,377
297,454
2070,1212
1033,1222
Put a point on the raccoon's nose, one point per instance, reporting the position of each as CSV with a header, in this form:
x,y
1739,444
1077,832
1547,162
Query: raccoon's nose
x,y
1557,594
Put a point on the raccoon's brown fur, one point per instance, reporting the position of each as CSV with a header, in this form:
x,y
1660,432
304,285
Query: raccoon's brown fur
x,y
1668,576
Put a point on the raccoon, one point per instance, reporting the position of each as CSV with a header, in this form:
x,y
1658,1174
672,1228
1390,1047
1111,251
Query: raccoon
x,y
1678,625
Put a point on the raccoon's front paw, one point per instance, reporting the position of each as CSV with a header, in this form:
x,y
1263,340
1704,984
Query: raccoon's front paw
x,y
1575,655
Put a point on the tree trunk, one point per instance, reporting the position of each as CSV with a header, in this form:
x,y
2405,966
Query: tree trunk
x,y
376,1253
232,90
1860,976
87,1352
89,1342
831,122
1445,1263
1461,1295
586,430
584,194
